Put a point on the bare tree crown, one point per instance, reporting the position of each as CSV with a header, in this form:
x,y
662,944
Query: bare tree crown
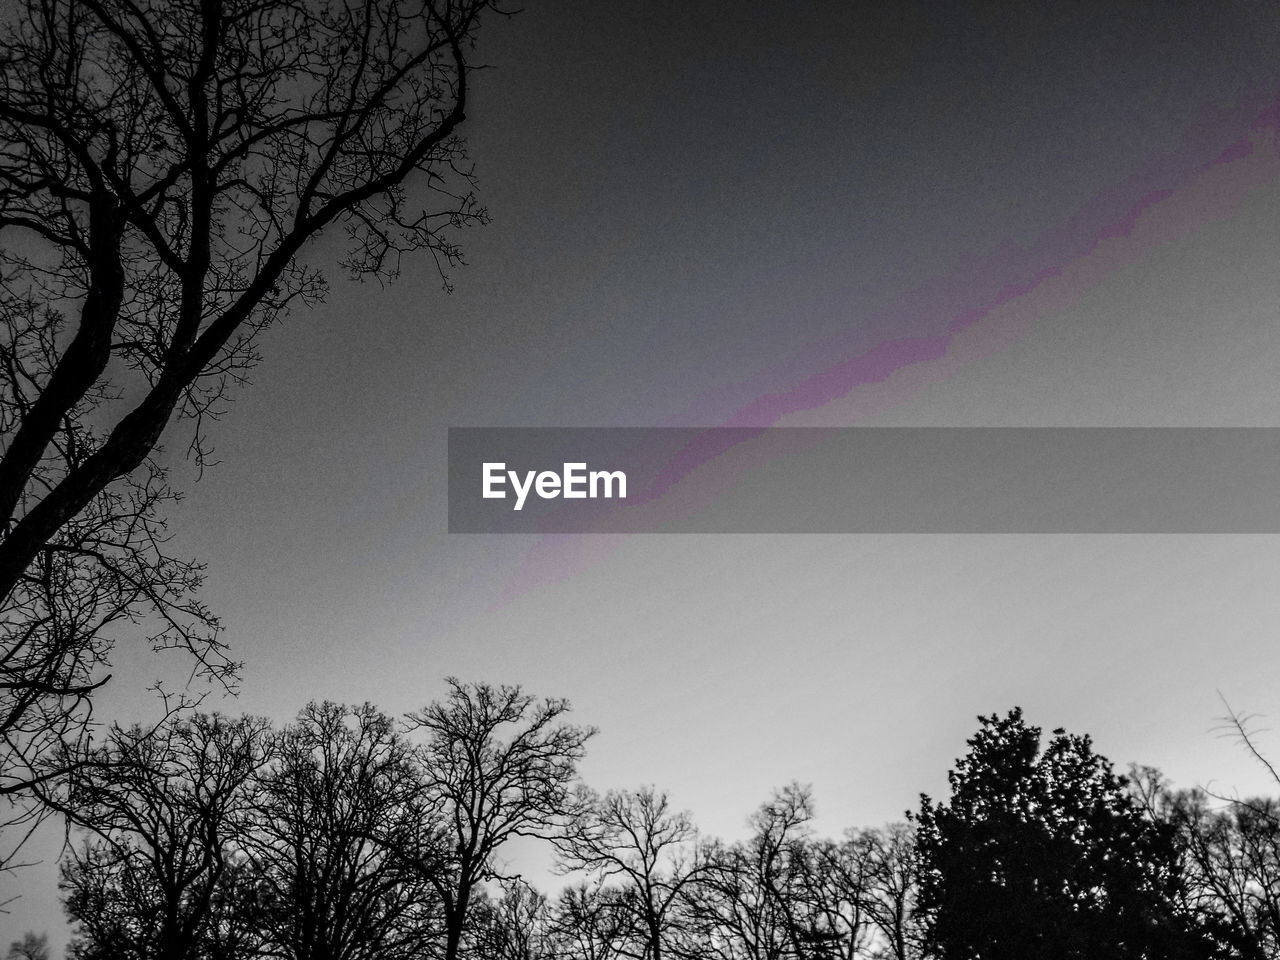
x,y
163,167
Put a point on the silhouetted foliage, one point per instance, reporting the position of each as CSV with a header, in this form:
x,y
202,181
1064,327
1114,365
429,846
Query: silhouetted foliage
x,y
347,835
1044,853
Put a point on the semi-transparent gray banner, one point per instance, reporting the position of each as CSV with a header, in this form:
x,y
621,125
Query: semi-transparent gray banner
x,y
865,480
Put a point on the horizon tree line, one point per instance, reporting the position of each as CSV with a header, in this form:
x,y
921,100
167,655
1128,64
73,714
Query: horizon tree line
x,y
348,834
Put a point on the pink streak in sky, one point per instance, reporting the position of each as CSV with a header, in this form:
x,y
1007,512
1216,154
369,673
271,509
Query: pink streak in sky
x,y
971,316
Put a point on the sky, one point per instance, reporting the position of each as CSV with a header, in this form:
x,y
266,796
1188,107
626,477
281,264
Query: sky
x,y
822,214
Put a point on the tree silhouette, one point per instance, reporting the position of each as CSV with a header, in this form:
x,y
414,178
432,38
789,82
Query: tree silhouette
x,y
339,843
591,922
640,854
1045,854
865,893
32,946
347,835
164,811
760,898
1232,857
514,926
163,166
498,764
1231,846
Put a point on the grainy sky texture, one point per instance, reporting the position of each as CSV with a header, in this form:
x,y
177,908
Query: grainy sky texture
x,y
807,214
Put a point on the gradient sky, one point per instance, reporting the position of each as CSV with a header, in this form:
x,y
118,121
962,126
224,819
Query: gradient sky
x,y
826,213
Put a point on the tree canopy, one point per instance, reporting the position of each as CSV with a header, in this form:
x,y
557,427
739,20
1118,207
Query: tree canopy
x,y
1044,852
164,165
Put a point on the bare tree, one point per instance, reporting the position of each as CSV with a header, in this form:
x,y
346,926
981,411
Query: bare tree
x,y
1231,848
892,888
754,900
339,842
163,167
782,894
864,891
590,922
516,925
498,763
32,946
164,811
633,843
1232,866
